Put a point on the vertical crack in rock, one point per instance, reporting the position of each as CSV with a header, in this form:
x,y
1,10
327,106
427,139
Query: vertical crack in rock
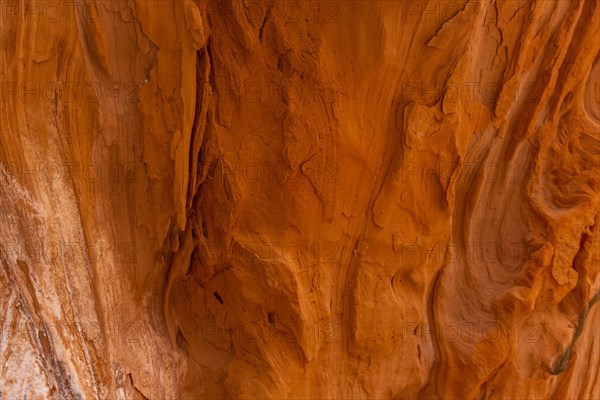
x,y
562,363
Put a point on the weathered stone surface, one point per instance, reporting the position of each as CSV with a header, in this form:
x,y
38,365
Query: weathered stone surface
x,y
259,199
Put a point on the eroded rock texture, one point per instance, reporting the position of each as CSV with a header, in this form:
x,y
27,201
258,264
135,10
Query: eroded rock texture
x,y
300,199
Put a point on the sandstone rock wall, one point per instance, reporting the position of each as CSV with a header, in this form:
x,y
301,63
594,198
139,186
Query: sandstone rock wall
x,y
300,199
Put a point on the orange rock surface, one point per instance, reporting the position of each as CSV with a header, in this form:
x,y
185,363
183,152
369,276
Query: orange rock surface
x,y
300,199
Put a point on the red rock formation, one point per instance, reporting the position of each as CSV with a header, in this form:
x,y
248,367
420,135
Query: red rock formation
x,y
259,199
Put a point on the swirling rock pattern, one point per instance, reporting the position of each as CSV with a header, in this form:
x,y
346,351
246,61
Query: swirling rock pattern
x,y
310,199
